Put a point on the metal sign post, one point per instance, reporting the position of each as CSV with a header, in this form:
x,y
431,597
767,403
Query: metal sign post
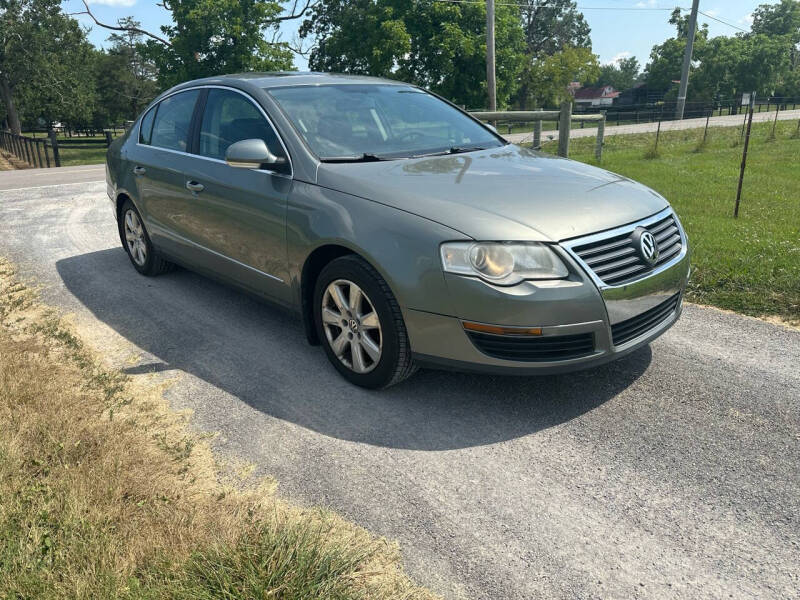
x,y
752,100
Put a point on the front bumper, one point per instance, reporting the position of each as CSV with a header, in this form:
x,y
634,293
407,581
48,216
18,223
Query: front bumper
x,y
618,319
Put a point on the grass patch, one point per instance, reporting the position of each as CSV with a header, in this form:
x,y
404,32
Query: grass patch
x,y
751,264
105,494
71,157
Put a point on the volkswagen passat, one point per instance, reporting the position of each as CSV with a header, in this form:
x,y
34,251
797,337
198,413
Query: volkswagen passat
x,y
402,230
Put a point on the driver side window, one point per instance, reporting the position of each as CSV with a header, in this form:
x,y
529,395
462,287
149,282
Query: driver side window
x,y
229,117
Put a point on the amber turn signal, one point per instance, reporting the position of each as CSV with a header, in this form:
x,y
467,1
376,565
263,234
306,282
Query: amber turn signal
x,y
499,330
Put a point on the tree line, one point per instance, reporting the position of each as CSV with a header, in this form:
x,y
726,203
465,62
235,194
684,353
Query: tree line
x,y
49,72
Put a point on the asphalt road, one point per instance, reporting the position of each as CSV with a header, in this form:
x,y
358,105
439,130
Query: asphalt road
x,y
672,473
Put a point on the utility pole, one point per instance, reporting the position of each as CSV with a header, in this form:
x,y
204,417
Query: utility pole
x,y
687,61
491,84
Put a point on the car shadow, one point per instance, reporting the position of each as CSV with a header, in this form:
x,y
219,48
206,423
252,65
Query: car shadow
x,y
258,354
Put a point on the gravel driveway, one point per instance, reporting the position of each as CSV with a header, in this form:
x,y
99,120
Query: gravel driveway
x,y
672,473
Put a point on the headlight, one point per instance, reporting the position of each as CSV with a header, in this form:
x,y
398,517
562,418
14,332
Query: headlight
x,y
502,263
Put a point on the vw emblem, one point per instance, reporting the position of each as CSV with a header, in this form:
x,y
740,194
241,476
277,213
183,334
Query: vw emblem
x,y
648,247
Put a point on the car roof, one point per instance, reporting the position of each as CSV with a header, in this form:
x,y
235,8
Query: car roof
x,y
290,78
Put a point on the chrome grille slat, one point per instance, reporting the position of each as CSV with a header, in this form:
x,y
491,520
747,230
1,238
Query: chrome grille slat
x,y
662,235
622,275
615,261
613,266
660,226
603,248
605,257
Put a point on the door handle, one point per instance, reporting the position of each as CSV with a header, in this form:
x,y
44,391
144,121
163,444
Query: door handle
x,y
195,187
139,170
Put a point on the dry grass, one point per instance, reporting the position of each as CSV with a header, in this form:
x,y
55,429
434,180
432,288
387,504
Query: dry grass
x,y
105,494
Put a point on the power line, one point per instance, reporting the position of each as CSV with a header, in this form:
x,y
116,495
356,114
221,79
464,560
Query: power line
x,y
611,8
721,21
518,5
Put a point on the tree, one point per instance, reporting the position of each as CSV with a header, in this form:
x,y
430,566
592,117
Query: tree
x,y
666,59
549,26
214,37
551,76
778,19
124,79
45,64
438,45
621,74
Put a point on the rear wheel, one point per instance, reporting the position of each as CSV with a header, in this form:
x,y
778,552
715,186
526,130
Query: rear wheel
x,y
360,324
137,243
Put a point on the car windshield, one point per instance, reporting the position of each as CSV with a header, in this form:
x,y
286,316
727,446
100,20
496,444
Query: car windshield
x,y
355,122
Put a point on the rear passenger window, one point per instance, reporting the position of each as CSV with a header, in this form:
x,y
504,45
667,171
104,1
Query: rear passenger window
x,y
230,117
172,121
146,128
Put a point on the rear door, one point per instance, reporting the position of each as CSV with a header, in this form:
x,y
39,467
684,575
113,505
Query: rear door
x,y
159,161
239,215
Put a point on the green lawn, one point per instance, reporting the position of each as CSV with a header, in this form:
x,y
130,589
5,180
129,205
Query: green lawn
x,y
71,157
750,264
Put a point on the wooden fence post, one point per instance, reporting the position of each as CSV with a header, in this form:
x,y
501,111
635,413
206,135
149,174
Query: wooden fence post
x,y
564,124
775,122
537,135
601,130
54,144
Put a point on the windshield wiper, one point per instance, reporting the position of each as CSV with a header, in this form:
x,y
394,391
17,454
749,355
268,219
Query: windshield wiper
x,y
361,158
453,150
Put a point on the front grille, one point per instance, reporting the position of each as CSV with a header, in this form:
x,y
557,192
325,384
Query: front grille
x,y
615,260
533,348
626,330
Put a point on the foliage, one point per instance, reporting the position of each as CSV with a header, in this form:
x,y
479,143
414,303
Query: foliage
x,y
45,64
621,75
124,79
552,24
778,19
438,45
765,60
666,58
212,37
552,75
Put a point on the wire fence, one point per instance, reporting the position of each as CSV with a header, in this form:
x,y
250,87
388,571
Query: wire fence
x,y
620,114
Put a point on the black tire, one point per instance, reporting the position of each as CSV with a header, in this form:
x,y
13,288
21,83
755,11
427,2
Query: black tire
x,y
395,363
153,264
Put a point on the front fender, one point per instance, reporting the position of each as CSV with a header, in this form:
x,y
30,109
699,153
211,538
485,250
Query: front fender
x,y
403,247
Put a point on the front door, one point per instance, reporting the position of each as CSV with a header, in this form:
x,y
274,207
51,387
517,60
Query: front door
x,y
239,215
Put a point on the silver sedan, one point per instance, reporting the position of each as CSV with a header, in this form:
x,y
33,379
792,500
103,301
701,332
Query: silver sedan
x,y
401,230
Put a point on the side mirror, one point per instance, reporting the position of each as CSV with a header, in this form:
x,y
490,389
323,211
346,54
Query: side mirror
x,y
251,154
492,127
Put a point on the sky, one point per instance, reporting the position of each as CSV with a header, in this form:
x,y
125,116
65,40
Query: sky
x,y
620,28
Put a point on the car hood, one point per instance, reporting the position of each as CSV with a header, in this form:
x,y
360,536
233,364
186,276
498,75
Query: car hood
x,y
507,193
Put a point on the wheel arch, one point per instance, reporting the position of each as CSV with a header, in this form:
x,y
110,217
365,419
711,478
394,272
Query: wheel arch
x,y
312,267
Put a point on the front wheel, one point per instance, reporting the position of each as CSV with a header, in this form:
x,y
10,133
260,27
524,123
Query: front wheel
x,y
360,324
137,242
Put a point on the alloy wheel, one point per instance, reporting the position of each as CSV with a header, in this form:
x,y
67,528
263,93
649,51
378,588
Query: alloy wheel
x,y
352,326
134,238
